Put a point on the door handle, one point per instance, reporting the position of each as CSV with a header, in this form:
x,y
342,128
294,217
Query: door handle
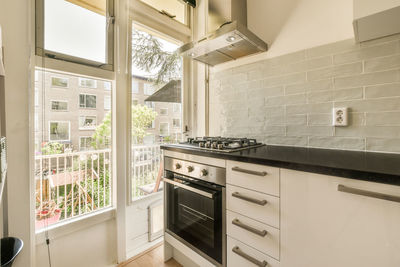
x,y
238,223
356,191
189,188
239,252
250,199
237,169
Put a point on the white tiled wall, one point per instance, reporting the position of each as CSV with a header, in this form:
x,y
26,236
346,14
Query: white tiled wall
x,y
288,100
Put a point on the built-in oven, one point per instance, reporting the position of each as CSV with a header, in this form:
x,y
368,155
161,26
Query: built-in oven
x,y
195,207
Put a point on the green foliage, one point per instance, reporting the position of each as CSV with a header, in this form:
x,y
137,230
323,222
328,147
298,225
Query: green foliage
x,y
142,117
148,55
102,136
50,148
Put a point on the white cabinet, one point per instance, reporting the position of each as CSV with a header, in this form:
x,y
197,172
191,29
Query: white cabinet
x,y
321,226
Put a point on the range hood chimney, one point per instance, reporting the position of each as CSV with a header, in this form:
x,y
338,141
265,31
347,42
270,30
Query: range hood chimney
x,y
228,37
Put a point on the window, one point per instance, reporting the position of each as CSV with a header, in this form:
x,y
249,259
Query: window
x,y
85,143
164,111
151,105
80,31
176,123
107,102
148,89
59,131
152,125
87,122
36,97
59,82
36,122
59,105
87,101
135,102
174,9
107,86
164,128
135,87
89,83
176,107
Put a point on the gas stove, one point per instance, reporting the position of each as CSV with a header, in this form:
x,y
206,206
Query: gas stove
x,y
220,144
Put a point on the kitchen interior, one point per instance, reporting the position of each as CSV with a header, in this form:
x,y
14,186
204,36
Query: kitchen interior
x,y
236,133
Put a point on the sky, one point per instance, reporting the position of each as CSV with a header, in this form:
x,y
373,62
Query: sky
x,y
82,36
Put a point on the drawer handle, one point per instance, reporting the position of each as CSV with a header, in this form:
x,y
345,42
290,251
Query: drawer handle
x,y
237,169
351,190
238,251
238,223
250,199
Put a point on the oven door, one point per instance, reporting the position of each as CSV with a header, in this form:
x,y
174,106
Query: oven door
x,y
194,215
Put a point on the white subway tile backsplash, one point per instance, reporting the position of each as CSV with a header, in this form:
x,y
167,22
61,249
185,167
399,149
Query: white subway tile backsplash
x,y
288,100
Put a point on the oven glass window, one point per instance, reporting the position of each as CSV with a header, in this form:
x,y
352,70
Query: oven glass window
x,y
195,218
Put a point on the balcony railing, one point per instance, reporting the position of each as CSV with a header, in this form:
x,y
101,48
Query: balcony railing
x,y
71,184
145,167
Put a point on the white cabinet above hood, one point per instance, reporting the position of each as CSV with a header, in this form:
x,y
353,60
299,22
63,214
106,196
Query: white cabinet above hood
x,y
375,19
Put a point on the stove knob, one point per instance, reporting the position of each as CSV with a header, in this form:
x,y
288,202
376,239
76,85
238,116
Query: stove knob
x,y
190,168
178,166
204,172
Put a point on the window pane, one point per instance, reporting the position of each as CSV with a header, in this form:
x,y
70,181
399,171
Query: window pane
x,y
176,123
59,105
163,111
59,82
107,86
107,102
172,7
135,87
87,83
164,129
59,131
72,29
59,138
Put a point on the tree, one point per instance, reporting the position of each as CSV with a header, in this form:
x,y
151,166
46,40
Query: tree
x,y
142,117
148,55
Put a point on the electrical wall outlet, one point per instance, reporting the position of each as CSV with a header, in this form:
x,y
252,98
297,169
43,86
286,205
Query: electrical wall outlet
x,y
339,117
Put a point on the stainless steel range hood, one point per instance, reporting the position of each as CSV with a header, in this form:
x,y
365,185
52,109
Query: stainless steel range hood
x,y
223,43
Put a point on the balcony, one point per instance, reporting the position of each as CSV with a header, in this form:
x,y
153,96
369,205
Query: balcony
x,y
73,184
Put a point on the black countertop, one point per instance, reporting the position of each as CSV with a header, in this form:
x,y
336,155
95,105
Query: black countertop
x,y
368,166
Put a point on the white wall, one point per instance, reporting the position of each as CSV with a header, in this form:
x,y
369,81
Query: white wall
x,y
94,246
16,18
293,25
364,8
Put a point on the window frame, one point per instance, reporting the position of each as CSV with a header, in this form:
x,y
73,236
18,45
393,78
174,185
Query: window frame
x,y
168,129
79,101
87,79
80,138
59,77
69,131
104,102
83,128
56,110
42,52
166,113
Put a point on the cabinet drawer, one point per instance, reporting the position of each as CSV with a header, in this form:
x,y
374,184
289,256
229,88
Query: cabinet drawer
x,y
253,233
258,206
260,178
241,255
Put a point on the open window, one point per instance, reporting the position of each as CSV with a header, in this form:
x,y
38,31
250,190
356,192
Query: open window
x,y
79,31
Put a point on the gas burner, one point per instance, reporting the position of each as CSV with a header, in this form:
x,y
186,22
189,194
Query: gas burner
x,y
221,144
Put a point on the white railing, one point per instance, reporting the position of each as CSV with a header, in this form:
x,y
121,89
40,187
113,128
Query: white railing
x,y
71,184
145,166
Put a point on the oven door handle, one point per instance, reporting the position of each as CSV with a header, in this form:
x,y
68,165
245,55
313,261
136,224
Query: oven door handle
x,y
189,188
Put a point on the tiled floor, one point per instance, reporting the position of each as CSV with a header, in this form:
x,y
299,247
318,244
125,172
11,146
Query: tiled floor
x,y
152,258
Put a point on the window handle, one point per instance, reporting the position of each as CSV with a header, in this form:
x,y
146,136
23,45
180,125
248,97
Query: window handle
x,y
167,14
239,252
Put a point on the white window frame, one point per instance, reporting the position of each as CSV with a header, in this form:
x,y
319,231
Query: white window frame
x,y
56,86
85,128
42,52
56,110
168,130
165,114
110,102
80,138
180,123
79,101
60,140
87,79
